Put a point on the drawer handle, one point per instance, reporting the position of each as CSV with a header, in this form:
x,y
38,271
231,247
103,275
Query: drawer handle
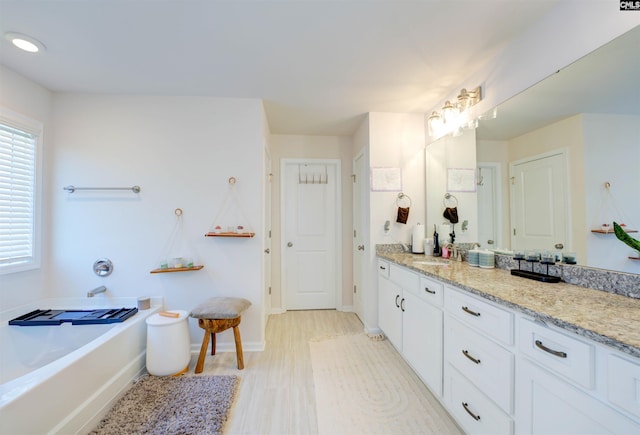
x,y
433,292
551,351
473,313
383,268
397,305
402,304
466,408
466,353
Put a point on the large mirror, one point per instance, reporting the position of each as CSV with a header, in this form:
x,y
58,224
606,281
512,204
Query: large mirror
x,y
562,160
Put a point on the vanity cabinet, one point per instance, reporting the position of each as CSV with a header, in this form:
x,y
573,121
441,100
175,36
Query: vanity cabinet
x,y
389,311
497,371
567,385
409,315
478,367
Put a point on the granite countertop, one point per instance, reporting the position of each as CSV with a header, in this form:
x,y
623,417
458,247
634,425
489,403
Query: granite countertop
x,y
607,318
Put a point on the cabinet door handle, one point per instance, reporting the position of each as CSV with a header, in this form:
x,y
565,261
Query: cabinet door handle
x,y
402,304
397,305
473,313
433,292
466,353
465,405
383,268
557,353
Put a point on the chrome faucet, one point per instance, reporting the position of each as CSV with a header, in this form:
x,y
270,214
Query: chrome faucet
x,y
96,290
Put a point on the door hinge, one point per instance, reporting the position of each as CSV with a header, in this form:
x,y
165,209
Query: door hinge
x,y
269,233
354,288
269,290
513,181
353,177
354,234
514,231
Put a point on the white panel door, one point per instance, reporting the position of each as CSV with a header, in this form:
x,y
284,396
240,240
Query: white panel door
x,y
309,235
487,207
267,237
539,203
358,235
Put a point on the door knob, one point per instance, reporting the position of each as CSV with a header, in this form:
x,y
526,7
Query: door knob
x,y
360,247
289,244
267,251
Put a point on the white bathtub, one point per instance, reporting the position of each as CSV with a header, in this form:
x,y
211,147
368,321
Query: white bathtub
x,y
62,379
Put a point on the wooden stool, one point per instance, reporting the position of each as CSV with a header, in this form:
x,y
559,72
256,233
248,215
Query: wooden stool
x,y
216,315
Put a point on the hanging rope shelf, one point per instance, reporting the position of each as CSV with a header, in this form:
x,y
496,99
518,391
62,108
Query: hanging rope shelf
x,y
608,203
238,231
175,264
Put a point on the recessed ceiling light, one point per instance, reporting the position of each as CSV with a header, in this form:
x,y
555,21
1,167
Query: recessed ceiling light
x,y
24,42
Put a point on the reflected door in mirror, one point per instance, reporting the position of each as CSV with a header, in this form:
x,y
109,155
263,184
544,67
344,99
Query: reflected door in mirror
x,y
539,202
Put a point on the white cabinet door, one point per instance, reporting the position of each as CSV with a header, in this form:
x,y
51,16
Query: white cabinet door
x,y
422,340
389,313
547,405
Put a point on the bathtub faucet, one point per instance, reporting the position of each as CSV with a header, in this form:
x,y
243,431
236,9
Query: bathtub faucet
x,y
96,290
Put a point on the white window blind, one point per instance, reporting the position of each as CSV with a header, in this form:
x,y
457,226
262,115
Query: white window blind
x,y
17,196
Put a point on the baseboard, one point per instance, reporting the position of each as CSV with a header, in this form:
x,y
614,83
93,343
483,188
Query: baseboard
x,y
346,309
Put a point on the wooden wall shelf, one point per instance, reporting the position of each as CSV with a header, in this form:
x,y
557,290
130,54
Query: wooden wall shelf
x,y
176,269
611,231
241,235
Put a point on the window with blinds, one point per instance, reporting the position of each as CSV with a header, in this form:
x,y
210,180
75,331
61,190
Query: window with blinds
x,y
18,188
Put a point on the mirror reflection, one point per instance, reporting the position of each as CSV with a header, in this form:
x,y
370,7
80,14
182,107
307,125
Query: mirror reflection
x,y
562,160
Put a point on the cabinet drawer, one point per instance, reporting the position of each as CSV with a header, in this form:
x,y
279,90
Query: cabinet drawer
x,y
472,409
383,268
404,278
623,384
481,315
561,353
431,291
489,366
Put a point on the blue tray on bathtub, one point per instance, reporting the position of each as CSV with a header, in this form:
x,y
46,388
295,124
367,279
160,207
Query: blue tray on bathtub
x,y
75,317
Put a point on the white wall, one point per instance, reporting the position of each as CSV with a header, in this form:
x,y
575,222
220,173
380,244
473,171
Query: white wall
x,y
181,151
392,140
32,100
313,147
612,153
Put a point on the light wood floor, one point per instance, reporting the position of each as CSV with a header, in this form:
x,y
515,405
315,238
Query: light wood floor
x,y
277,395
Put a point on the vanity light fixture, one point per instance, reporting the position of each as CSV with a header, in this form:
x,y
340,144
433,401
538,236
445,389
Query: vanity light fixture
x,y
452,117
24,42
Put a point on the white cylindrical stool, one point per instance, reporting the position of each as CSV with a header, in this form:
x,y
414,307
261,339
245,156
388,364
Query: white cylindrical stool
x,y
168,343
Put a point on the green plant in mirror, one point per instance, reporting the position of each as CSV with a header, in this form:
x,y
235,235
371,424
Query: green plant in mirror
x,y
622,235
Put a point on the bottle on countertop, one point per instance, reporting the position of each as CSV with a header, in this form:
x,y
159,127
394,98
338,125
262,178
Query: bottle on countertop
x,y
436,245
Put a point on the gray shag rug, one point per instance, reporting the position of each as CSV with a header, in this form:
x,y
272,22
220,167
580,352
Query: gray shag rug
x,y
172,405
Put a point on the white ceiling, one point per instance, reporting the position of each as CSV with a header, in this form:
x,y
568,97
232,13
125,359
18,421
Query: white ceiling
x,y
319,65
